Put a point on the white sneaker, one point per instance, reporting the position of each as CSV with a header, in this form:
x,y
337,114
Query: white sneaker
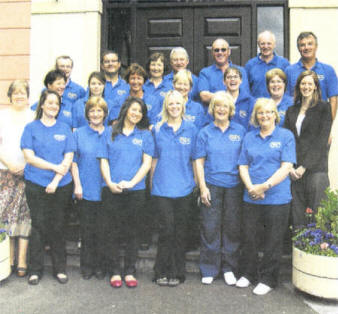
x,y
242,283
229,278
261,289
207,280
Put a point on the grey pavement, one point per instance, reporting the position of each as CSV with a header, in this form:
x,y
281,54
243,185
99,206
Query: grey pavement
x,y
96,296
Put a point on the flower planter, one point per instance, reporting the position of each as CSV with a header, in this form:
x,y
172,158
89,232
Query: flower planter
x,y
5,267
315,274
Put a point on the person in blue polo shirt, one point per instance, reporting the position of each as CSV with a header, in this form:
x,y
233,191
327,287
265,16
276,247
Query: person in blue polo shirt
x,y
266,60
116,88
73,91
307,46
265,161
276,83
211,78
87,188
126,155
156,85
48,147
172,186
96,85
56,80
216,152
136,76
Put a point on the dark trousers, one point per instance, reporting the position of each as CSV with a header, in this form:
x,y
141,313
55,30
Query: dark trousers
x,y
274,219
221,231
172,217
47,214
121,216
92,235
308,191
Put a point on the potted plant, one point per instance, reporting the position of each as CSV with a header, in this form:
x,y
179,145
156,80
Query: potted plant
x,y
315,251
5,268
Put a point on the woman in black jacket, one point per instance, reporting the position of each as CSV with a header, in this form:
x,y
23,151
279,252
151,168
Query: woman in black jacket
x,y
310,121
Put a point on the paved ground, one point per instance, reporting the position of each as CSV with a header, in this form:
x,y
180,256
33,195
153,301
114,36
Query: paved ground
x,y
94,296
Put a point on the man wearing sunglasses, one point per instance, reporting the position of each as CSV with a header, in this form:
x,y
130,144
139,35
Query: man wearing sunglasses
x,y
211,78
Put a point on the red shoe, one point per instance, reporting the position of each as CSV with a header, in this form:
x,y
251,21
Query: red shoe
x,y
115,283
131,283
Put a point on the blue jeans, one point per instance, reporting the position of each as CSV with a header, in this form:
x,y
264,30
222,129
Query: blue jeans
x,y
220,231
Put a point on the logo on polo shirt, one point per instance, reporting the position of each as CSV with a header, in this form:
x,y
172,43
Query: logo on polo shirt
x,y
67,113
72,95
234,137
275,144
188,117
59,137
242,113
184,140
121,92
282,113
137,141
320,77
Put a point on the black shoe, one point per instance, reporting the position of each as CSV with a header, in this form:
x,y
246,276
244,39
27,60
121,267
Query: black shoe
x,y
100,274
61,278
33,279
173,282
87,274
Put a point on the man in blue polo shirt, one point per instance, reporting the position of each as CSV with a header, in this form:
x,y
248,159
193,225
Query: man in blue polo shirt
x,y
307,46
266,60
116,88
211,78
73,91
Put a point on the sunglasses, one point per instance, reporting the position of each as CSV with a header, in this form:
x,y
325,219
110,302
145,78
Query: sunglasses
x,y
220,49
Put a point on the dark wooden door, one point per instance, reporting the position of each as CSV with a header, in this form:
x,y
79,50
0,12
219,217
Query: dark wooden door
x,y
194,28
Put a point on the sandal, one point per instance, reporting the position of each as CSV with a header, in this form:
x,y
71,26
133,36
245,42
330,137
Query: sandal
x,y
21,271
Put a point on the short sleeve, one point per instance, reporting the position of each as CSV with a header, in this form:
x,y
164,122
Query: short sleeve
x,y
332,82
153,132
76,140
102,148
200,145
203,82
148,145
70,143
289,148
26,138
243,156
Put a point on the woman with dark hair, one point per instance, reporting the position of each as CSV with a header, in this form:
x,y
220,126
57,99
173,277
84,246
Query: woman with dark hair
x,y
125,156
156,85
87,188
14,211
310,121
172,182
48,147
55,80
135,77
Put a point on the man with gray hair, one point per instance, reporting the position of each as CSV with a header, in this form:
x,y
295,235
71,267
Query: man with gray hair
x,y
266,60
179,60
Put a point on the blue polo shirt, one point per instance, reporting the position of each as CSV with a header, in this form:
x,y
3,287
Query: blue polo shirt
x,y
194,93
244,106
264,157
173,176
115,92
221,152
65,113
159,91
256,69
50,143
125,154
326,75
211,79
283,106
87,143
73,92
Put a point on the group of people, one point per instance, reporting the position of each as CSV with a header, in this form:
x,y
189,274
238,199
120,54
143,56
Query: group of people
x,y
254,142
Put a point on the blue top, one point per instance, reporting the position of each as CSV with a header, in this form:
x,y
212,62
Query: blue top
x,y
73,92
256,69
87,143
125,154
211,79
173,176
159,91
65,113
117,91
326,75
193,94
50,143
264,157
221,151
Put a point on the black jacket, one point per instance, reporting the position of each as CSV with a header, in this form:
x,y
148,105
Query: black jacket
x,y
312,144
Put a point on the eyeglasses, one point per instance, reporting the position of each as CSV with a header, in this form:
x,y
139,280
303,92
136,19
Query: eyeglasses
x,y
232,77
220,49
